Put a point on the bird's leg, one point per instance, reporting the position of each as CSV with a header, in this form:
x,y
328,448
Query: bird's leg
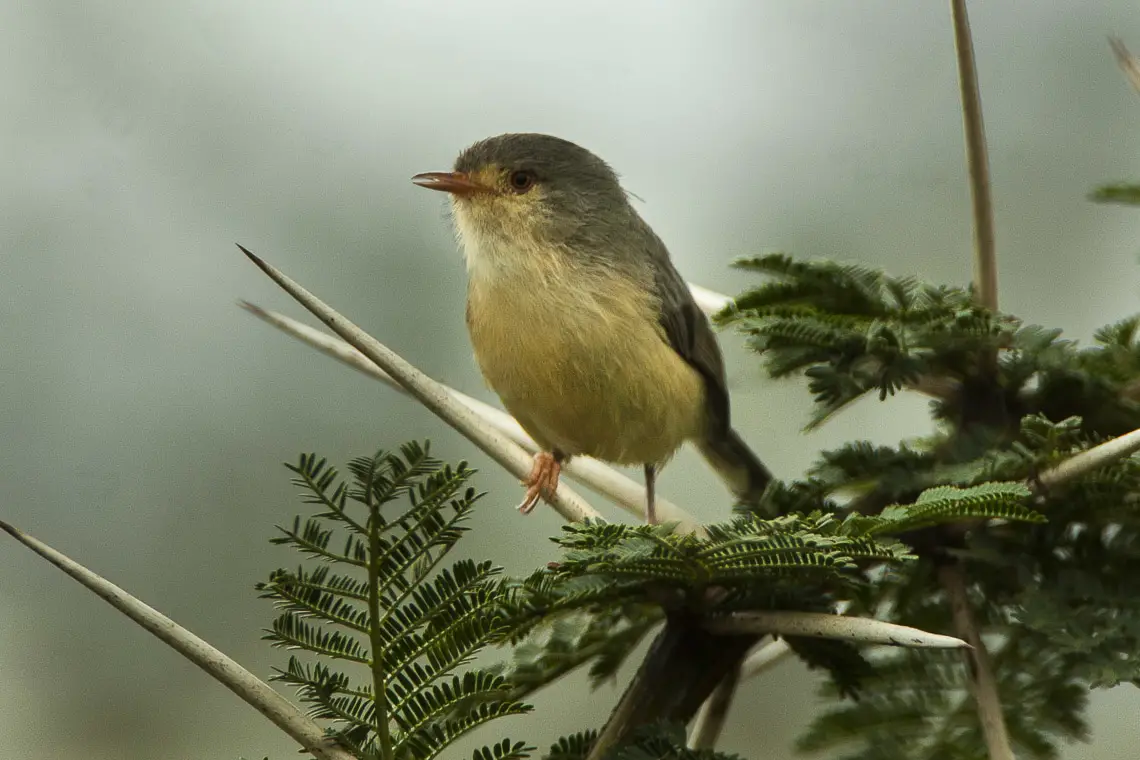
x,y
542,481
650,494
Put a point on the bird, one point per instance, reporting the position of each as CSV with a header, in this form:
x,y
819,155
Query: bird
x,y
579,320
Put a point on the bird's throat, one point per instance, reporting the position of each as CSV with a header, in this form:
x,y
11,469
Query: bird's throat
x,y
500,244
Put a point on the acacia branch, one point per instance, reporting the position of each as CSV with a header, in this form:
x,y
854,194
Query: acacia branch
x,y
985,259
709,723
255,692
980,672
715,708
607,481
765,655
431,394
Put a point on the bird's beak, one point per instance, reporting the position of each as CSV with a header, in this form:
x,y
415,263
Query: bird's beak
x,y
456,183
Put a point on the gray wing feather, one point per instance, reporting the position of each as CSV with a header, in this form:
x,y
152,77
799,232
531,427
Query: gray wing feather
x,y
691,336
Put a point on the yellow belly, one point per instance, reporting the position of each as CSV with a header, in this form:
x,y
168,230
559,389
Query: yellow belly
x,y
585,368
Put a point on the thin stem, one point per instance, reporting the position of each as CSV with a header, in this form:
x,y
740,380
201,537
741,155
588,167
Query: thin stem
x,y
980,672
985,260
983,684
375,631
709,723
763,657
1128,63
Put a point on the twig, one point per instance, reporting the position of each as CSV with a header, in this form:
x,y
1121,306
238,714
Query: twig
x,y
985,260
710,719
760,659
764,657
823,625
431,394
376,630
980,673
1129,63
1089,460
233,676
607,481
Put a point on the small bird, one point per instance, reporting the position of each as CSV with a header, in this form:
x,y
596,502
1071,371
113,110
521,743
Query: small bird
x,y
579,321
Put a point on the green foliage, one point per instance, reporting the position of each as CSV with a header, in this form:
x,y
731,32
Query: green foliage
x,y
916,705
616,581
392,630
1054,576
649,743
851,330
752,557
844,663
1058,595
1123,193
380,603
944,503
504,750
1078,576
602,638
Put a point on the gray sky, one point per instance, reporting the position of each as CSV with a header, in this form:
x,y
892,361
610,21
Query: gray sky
x,y
144,417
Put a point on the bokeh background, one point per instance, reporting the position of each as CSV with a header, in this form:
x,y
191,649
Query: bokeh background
x,y
144,417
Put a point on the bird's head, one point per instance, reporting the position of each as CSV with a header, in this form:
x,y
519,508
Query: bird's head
x,y
520,191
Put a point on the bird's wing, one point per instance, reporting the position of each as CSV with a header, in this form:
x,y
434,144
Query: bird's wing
x,y
690,334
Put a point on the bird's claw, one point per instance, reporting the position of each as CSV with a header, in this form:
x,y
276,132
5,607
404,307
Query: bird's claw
x,y
542,481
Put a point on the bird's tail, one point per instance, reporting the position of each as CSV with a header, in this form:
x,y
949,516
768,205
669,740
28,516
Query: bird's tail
x,y
739,467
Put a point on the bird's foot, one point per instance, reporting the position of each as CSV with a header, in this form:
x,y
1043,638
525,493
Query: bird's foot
x,y
542,481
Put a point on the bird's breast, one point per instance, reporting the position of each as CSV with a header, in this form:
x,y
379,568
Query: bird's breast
x,y
578,357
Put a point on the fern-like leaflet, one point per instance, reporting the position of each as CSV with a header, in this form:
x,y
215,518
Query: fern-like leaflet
x,y
391,628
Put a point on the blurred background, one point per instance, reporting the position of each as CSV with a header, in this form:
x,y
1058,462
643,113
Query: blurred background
x,y
144,417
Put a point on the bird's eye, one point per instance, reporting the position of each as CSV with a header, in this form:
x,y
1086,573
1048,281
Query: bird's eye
x,y
521,181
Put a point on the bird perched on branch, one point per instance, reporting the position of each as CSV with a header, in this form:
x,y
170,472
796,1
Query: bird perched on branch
x,y
579,321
